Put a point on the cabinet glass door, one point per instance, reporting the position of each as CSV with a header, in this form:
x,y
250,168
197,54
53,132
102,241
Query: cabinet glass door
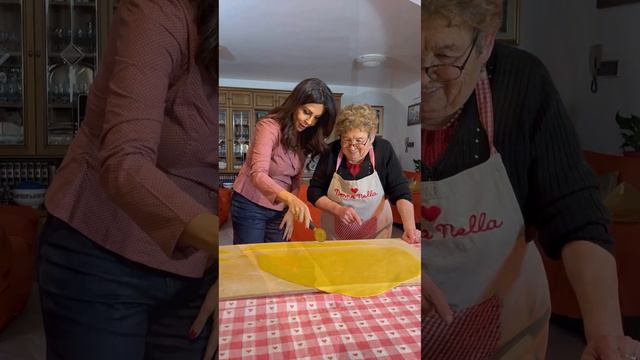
x,y
223,142
260,114
71,63
240,133
12,65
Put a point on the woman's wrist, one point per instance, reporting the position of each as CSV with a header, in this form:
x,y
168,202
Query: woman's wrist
x,y
202,233
285,196
405,210
408,226
326,204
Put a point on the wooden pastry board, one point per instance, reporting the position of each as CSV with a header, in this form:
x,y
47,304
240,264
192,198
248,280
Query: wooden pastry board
x,y
240,276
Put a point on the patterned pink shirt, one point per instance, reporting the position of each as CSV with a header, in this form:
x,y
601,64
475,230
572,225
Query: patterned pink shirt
x,y
269,167
144,162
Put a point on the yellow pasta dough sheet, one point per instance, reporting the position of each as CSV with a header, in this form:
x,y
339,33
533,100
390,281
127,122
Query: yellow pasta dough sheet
x,y
355,268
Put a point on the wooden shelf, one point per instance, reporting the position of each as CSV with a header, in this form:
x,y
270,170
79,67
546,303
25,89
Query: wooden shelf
x,y
68,3
10,105
58,55
60,106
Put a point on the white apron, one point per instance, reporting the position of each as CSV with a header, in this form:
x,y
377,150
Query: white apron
x,y
366,197
474,249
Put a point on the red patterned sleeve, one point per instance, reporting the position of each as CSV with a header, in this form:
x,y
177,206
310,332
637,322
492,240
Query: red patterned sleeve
x,y
152,45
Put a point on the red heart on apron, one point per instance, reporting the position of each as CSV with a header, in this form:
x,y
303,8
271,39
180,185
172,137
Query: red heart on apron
x,y
430,213
354,190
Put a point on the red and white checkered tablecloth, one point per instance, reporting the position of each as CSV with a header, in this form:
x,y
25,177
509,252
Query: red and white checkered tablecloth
x,y
322,326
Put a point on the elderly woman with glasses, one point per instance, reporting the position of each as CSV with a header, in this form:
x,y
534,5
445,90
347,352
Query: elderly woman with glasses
x,y
355,181
499,154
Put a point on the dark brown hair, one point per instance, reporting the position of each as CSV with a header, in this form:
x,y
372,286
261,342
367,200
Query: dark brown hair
x,y
207,23
311,140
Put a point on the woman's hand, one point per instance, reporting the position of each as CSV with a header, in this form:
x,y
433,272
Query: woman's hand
x,y
405,210
592,272
412,236
297,207
208,309
612,347
348,215
287,224
433,299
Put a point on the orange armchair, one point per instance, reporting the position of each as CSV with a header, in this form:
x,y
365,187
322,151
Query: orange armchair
x,y
626,247
18,228
299,231
224,205
416,199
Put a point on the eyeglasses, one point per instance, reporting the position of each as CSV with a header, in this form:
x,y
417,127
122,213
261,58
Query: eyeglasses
x,y
355,142
449,72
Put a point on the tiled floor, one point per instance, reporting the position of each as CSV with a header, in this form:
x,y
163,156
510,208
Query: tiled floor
x,y
24,338
564,344
225,235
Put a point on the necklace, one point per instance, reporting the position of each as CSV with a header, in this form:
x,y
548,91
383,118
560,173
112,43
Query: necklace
x,y
450,122
453,119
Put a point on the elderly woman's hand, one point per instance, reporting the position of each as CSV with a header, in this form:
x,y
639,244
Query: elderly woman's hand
x,y
348,215
433,299
412,236
612,347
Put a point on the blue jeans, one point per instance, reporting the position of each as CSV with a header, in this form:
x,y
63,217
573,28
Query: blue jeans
x,y
99,305
253,223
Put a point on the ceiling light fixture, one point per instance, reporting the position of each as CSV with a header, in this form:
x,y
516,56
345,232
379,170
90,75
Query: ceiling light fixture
x,y
370,60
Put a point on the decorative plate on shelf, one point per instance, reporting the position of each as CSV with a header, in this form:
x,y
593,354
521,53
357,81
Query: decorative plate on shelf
x,y
63,75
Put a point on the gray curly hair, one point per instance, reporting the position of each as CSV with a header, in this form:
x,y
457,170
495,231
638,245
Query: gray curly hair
x,y
483,15
356,116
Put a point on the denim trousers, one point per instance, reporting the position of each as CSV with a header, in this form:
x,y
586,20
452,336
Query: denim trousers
x,y
253,223
99,305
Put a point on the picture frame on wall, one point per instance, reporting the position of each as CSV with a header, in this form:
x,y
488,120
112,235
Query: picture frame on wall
x,y
509,31
380,113
413,114
610,3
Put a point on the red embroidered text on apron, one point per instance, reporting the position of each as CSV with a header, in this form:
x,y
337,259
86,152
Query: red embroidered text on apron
x,y
366,197
472,250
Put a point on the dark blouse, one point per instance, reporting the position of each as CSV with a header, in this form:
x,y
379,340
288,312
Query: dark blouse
x,y
395,184
556,190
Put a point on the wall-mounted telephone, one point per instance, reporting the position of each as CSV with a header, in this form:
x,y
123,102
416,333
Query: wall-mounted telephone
x,y
599,67
408,144
595,57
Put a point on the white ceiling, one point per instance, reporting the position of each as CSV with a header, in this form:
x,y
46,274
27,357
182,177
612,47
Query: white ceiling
x,y
289,40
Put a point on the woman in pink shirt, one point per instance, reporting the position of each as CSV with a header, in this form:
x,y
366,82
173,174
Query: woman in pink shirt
x,y
264,203
124,260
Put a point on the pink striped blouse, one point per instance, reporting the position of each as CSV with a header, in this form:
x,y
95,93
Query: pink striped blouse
x,y
144,162
269,167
